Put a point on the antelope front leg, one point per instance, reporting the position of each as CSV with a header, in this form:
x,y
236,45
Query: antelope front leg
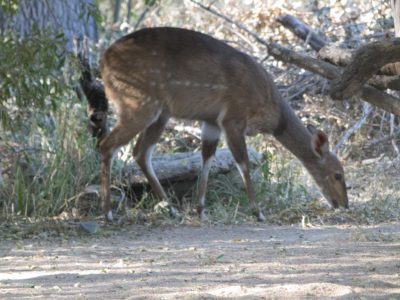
x,y
235,137
143,151
105,183
118,137
210,136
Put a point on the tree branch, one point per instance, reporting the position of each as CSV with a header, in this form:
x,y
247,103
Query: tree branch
x,y
229,20
302,31
365,63
368,93
303,61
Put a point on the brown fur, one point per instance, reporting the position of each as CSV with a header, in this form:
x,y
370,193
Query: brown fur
x,y
180,73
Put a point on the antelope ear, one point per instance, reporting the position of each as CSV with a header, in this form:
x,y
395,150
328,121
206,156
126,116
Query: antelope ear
x,y
320,144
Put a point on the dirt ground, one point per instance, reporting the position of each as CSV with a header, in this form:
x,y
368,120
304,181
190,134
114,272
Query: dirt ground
x,y
208,262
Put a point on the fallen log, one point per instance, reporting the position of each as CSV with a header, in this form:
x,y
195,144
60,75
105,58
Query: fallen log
x,y
177,172
186,166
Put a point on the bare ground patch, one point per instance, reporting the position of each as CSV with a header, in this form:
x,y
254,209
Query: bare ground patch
x,y
247,261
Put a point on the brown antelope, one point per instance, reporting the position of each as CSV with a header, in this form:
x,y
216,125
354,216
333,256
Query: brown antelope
x,y
157,73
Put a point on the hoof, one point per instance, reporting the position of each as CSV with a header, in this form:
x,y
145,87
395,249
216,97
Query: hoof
x,y
260,217
173,212
203,217
109,216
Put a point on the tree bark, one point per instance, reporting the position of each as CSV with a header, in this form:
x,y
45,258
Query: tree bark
x,y
365,63
396,18
368,93
117,9
72,18
342,57
336,55
129,11
302,31
171,168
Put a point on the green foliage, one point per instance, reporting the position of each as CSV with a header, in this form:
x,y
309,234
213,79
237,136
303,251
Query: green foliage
x,y
91,10
45,148
48,163
9,7
150,2
30,75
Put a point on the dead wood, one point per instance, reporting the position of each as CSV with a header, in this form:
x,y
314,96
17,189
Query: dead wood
x,y
302,31
384,82
303,61
396,17
336,55
368,93
366,61
329,71
172,168
342,57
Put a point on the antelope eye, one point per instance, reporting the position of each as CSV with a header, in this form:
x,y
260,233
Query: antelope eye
x,y
338,176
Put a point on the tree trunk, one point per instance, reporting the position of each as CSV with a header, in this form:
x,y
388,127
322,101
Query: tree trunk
x,y
117,9
366,61
72,18
129,11
396,18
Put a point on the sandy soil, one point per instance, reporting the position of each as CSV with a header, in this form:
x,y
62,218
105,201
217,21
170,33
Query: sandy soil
x,y
247,261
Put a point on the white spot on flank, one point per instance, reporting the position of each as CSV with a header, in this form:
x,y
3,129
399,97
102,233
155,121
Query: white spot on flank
x,y
176,82
218,87
152,83
154,53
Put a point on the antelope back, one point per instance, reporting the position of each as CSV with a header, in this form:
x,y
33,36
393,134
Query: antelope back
x,y
190,74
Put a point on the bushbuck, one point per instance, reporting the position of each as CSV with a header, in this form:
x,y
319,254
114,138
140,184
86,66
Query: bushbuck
x,y
156,73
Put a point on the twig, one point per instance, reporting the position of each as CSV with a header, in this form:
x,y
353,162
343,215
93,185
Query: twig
x,y
366,111
141,17
303,31
229,20
392,126
385,138
368,93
